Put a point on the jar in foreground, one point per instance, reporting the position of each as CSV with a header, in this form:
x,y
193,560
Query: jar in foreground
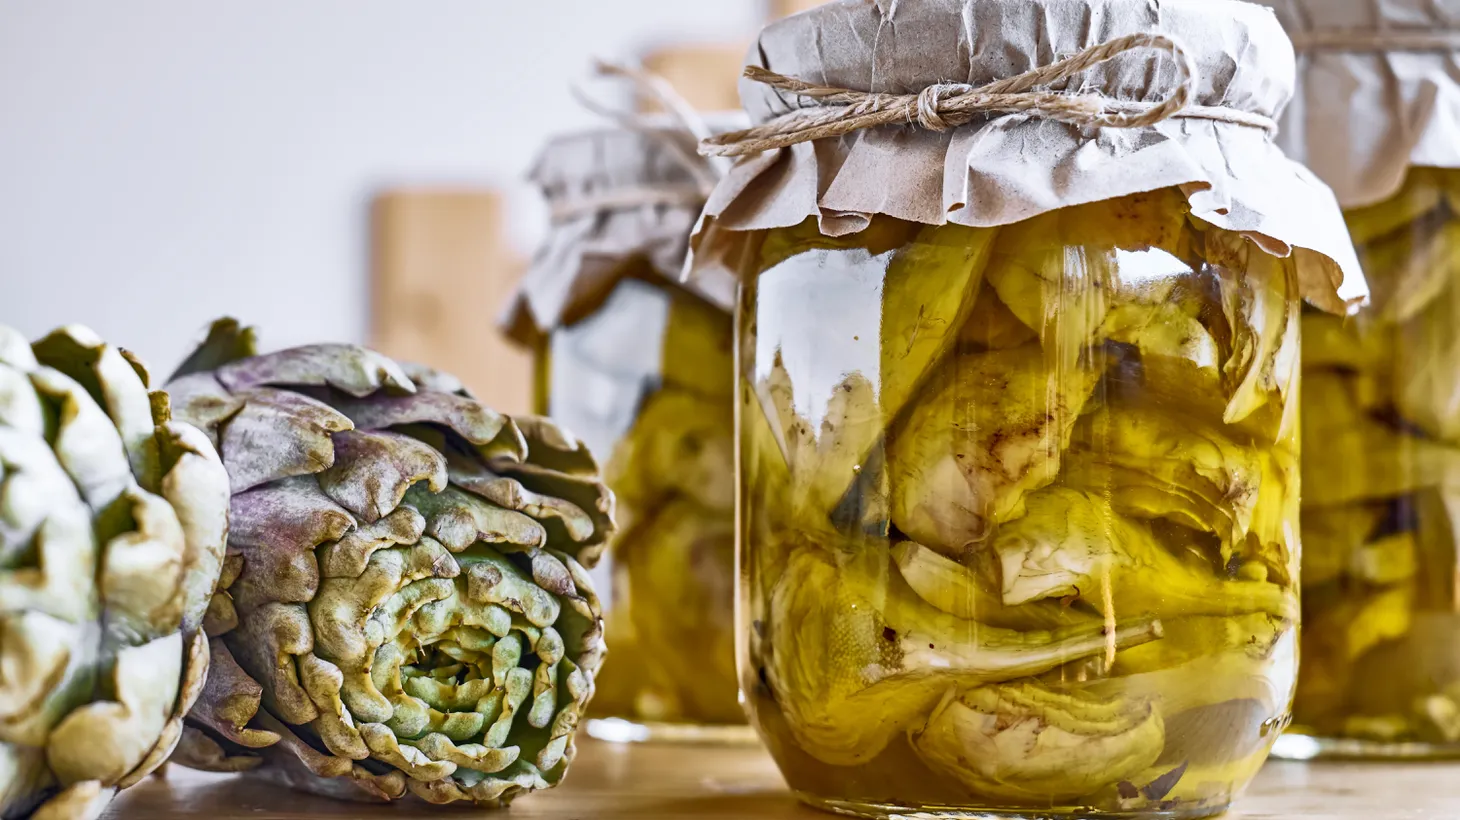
x,y
1381,505
1020,511
648,377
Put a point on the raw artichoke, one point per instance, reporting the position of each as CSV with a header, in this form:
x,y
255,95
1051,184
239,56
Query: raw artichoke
x,y
1381,465
404,607
113,518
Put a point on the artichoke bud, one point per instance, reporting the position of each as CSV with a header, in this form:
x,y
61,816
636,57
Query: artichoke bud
x,y
407,584
113,519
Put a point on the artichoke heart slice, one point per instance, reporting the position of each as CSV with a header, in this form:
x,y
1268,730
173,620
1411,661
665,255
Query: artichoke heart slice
x,y
1028,743
1153,465
985,433
857,658
1074,544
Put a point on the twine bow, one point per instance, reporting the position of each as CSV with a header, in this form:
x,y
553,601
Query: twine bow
x,y
705,173
940,107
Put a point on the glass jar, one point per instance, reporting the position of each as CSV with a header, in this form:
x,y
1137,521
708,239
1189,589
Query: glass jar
x,y
1381,504
640,368
1019,511
647,379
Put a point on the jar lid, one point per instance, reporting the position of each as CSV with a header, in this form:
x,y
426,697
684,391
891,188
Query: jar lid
x,y
614,195
1378,91
1229,65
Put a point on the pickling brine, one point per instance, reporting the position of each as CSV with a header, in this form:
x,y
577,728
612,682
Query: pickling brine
x,y
1020,510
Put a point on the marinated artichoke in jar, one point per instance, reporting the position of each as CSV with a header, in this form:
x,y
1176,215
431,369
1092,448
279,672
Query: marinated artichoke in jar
x,y
1026,532
1381,476
670,613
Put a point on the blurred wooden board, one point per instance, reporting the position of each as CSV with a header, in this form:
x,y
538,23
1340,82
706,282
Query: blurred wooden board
x,y
708,75
647,782
443,271
784,8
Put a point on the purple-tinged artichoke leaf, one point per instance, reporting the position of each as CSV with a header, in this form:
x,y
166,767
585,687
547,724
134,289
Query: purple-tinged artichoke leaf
x,y
372,472
349,368
278,434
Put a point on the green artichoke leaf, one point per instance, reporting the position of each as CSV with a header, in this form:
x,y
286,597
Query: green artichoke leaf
x,y
1345,342
1060,272
993,326
989,430
676,582
973,592
1350,456
1261,302
680,445
931,287
1408,270
1074,544
824,461
1339,630
857,658
1417,199
1030,744
1332,536
1153,465
699,348
1426,366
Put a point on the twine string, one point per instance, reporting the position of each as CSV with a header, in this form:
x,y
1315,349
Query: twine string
x,y
943,106
646,83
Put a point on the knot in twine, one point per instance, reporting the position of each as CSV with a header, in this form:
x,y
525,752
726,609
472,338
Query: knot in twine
x,y
944,106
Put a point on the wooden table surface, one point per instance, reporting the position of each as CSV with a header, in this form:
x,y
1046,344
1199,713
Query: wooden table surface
x,y
657,782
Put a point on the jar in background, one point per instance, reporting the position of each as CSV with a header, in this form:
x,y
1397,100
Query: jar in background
x,y
1381,423
640,368
1018,408
1381,507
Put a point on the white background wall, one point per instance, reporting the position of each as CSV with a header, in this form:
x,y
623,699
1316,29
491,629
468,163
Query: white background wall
x,y
163,162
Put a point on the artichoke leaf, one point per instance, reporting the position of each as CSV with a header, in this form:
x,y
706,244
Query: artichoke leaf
x,y
1332,536
973,593
1415,201
857,658
1027,743
1074,544
1351,456
992,326
982,436
931,287
1261,301
1152,465
1426,367
1408,271
699,348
